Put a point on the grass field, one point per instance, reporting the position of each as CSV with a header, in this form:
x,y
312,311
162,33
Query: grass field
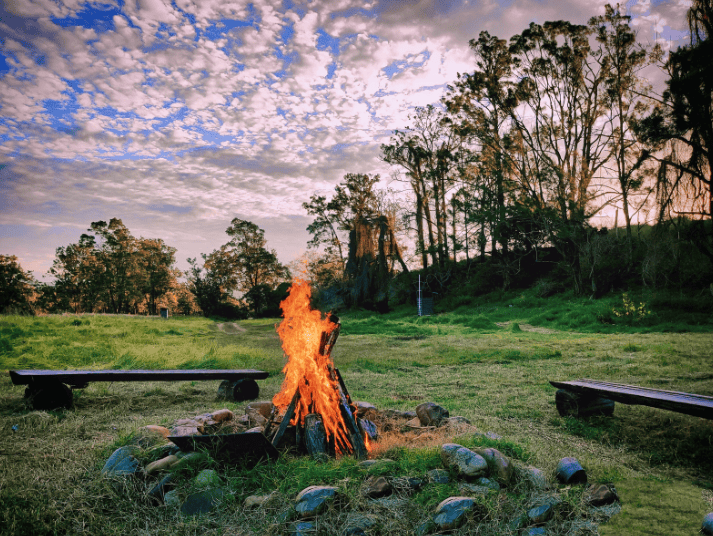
x,y
489,363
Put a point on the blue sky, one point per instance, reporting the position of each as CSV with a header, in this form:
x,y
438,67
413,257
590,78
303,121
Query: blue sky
x,y
178,116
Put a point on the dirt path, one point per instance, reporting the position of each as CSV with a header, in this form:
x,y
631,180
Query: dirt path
x,y
231,328
527,327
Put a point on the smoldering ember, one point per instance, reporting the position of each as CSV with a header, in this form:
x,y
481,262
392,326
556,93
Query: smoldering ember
x,y
313,414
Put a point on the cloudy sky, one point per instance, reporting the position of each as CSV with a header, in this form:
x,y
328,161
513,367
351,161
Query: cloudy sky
x,y
179,115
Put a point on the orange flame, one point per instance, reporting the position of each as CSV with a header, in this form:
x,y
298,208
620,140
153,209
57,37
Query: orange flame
x,y
307,370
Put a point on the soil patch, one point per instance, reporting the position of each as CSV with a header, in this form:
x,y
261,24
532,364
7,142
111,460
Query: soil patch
x,y
231,328
527,327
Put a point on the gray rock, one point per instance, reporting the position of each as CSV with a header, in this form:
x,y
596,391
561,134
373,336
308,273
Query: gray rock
x,y
171,498
469,464
601,494
396,414
473,490
406,484
365,410
493,436
313,500
358,523
570,472
303,527
540,514
255,501
452,512
186,430
535,531
286,515
377,486
431,414
122,463
264,408
447,452
425,528
492,484
207,478
201,502
256,418
534,477
438,476
518,522
378,462
455,422
159,491
498,465
707,527
392,502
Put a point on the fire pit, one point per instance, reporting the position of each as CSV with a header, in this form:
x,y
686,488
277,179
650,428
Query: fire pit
x,y
313,411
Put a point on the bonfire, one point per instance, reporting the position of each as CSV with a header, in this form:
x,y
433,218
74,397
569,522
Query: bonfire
x,y
313,397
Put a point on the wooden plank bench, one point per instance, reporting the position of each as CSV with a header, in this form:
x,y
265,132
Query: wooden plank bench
x,y
589,397
49,389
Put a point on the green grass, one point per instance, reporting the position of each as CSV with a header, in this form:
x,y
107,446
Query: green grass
x,y
488,362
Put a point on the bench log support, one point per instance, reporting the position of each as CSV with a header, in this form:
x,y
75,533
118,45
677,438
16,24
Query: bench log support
x,y
51,389
586,397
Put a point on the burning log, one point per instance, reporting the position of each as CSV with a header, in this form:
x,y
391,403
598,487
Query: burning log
x,y
286,418
313,387
315,436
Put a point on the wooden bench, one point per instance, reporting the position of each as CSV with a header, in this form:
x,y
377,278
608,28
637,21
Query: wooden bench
x,y
49,389
586,397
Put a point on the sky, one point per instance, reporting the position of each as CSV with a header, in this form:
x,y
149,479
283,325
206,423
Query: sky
x,y
177,116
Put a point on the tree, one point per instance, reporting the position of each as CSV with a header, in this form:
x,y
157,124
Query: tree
x,y
244,262
476,103
328,221
117,257
110,269
560,110
622,59
76,276
682,123
364,219
206,285
16,287
156,275
430,153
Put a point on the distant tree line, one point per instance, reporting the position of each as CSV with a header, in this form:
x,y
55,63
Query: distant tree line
x,y
551,129
110,271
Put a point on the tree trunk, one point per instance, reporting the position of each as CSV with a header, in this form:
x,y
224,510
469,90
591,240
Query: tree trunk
x,y
419,224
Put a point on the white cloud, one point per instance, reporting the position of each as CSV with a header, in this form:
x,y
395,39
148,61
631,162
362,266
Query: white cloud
x,y
227,125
